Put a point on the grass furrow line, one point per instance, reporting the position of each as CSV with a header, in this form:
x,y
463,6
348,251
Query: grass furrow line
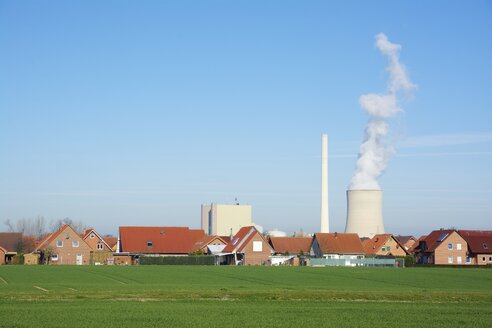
x,y
41,288
3,280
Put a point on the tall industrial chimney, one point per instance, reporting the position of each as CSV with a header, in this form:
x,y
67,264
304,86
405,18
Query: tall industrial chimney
x,y
365,212
325,224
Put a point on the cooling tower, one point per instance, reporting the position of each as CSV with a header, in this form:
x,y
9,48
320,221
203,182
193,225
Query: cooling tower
x,y
364,212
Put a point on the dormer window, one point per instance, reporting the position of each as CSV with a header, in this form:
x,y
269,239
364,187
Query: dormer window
x,y
485,246
149,244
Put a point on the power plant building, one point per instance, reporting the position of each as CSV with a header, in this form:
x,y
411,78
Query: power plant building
x,y
225,220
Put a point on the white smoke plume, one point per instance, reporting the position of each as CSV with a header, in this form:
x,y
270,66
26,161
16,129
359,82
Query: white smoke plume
x,y
375,152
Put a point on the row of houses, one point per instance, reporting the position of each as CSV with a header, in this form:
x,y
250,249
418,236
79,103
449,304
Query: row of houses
x,y
250,247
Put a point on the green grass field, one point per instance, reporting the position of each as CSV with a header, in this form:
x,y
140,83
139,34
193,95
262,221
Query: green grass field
x,y
201,296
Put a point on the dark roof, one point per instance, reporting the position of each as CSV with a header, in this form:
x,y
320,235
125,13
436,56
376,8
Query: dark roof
x,y
291,245
339,243
479,241
10,241
404,239
159,240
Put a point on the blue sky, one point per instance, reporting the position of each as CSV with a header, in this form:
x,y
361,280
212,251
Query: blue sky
x,y
136,112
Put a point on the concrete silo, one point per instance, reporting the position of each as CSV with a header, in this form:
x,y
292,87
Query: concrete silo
x,y
365,212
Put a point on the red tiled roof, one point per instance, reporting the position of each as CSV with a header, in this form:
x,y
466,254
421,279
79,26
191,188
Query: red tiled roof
x,y
434,239
372,246
170,240
241,239
227,239
479,241
339,243
111,241
10,241
291,245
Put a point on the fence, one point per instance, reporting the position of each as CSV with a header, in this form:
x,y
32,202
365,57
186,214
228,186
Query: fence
x,y
366,262
177,260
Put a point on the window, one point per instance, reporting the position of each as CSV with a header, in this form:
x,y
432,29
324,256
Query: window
x,y
75,243
468,259
257,246
100,246
490,258
458,247
54,257
149,244
91,236
458,259
59,243
450,259
450,246
483,259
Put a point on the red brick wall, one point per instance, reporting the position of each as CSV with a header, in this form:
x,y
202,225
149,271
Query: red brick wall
x,y
92,242
2,256
256,258
67,254
442,253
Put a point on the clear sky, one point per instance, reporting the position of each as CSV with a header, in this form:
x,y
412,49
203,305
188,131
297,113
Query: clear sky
x,y
136,112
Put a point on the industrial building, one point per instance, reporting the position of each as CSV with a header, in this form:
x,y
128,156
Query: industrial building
x,y
225,220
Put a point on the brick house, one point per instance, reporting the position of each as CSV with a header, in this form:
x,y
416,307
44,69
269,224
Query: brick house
x,y
247,247
210,245
95,241
10,243
479,246
289,250
442,247
383,245
406,241
65,246
337,246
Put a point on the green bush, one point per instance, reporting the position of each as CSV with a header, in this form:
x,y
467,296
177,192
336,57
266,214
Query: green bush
x,y
177,260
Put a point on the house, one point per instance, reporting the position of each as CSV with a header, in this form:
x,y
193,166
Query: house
x,y
479,246
65,246
210,245
383,245
95,241
248,247
442,247
289,249
111,241
176,241
337,246
406,241
10,244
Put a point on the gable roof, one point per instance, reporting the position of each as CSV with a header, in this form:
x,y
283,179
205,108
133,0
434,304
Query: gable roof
x,y
170,240
291,245
373,245
339,243
435,239
111,241
91,230
242,238
49,238
207,240
479,241
10,241
404,239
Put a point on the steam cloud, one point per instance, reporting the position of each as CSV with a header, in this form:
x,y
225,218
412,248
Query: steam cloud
x,y
375,152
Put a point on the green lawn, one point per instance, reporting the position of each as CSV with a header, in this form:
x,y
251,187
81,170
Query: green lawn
x,y
187,296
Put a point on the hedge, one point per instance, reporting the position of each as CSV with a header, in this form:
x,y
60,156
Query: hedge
x,y
177,260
